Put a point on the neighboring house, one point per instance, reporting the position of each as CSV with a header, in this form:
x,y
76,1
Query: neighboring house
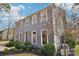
x,y
32,28
11,34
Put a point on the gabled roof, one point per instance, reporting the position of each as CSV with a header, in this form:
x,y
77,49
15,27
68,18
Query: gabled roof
x,y
52,4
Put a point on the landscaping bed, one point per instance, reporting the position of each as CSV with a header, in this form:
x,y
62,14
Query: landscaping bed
x,y
18,53
27,49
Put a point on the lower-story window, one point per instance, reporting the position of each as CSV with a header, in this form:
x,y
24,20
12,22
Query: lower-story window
x,y
44,37
17,36
20,36
26,36
34,37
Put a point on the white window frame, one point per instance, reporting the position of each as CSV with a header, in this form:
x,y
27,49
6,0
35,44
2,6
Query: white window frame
x,y
19,36
44,13
27,20
46,16
34,19
32,37
41,36
41,17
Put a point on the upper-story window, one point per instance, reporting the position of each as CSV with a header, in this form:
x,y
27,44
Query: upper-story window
x,y
43,16
27,22
34,19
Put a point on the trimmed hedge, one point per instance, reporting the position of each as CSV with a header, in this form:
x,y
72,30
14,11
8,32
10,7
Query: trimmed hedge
x,y
17,45
48,49
10,44
27,46
6,51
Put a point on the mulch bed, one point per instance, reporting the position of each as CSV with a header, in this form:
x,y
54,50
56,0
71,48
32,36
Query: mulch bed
x,y
11,53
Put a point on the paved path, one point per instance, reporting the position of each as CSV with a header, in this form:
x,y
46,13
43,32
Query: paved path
x,y
2,47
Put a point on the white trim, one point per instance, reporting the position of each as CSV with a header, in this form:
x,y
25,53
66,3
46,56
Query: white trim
x,y
34,21
44,19
41,36
27,35
24,37
46,16
20,36
32,37
41,15
27,20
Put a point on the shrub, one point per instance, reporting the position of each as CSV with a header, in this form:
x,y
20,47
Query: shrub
x,y
10,44
48,49
69,38
27,46
71,43
14,49
6,51
17,45
39,51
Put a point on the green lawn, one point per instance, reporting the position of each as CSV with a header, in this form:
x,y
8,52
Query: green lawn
x,y
77,50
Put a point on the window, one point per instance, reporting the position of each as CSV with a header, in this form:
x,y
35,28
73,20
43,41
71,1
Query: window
x,y
17,37
27,33
34,19
34,37
43,16
20,36
27,22
44,37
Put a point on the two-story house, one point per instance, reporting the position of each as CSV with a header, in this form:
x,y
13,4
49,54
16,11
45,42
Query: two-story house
x,y
43,27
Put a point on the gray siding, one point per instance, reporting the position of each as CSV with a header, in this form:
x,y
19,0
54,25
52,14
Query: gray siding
x,y
38,27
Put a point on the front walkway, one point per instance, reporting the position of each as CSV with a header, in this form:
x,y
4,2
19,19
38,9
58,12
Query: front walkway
x,y
2,45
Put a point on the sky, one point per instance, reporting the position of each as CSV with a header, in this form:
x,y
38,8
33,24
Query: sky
x,y
20,10
29,8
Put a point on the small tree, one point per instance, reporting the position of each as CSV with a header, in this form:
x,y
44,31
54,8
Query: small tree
x,y
68,38
71,41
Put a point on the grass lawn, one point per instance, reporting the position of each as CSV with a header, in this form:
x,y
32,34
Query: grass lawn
x,y
25,54
77,50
